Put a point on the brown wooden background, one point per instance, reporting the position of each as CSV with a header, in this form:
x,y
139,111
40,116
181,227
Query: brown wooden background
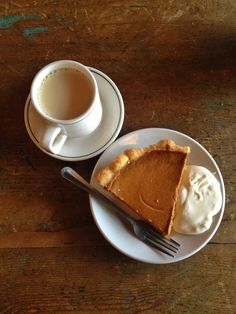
x,y
175,65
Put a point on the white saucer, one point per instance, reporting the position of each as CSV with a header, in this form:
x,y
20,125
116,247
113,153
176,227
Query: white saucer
x,y
115,230
89,146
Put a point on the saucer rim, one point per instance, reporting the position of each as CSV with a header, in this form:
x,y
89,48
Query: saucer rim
x,y
112,138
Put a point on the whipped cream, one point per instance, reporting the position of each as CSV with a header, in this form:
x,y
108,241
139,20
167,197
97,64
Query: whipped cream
x,y
199,200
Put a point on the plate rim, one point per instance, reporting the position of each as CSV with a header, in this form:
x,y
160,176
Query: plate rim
x,y
221,213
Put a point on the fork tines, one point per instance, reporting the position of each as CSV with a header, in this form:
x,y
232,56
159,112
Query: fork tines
x,y
158,241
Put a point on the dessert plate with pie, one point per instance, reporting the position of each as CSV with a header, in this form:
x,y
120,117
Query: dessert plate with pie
x,y
143,171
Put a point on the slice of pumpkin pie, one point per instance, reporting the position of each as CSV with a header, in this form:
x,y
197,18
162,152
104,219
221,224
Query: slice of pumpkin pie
x,y
147,180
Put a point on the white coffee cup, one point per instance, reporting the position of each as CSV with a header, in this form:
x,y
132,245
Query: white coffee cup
x,y
58,130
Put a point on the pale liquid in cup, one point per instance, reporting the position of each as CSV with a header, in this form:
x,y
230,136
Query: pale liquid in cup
x,y
65,94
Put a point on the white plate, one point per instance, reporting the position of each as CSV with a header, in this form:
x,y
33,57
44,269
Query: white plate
x,y
115,230
95,143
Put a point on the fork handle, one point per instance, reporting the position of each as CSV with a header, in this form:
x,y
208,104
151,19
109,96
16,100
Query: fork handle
x,y
72,176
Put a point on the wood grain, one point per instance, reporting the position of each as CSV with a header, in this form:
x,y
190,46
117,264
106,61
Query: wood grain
x,y
174,63
94,279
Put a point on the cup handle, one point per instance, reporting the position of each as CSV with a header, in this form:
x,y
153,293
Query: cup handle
x,y
52,140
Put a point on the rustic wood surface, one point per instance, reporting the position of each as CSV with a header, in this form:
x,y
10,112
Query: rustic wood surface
x,y
175,65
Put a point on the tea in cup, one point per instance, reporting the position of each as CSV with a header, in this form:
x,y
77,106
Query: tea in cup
x,y
66,96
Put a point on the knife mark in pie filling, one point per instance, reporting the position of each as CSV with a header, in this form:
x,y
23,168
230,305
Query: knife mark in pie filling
x,y
145,203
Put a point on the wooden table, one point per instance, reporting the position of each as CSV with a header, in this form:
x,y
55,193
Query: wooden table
x,y
175,65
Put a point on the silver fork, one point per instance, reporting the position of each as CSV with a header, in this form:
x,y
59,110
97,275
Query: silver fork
x,y
143,230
